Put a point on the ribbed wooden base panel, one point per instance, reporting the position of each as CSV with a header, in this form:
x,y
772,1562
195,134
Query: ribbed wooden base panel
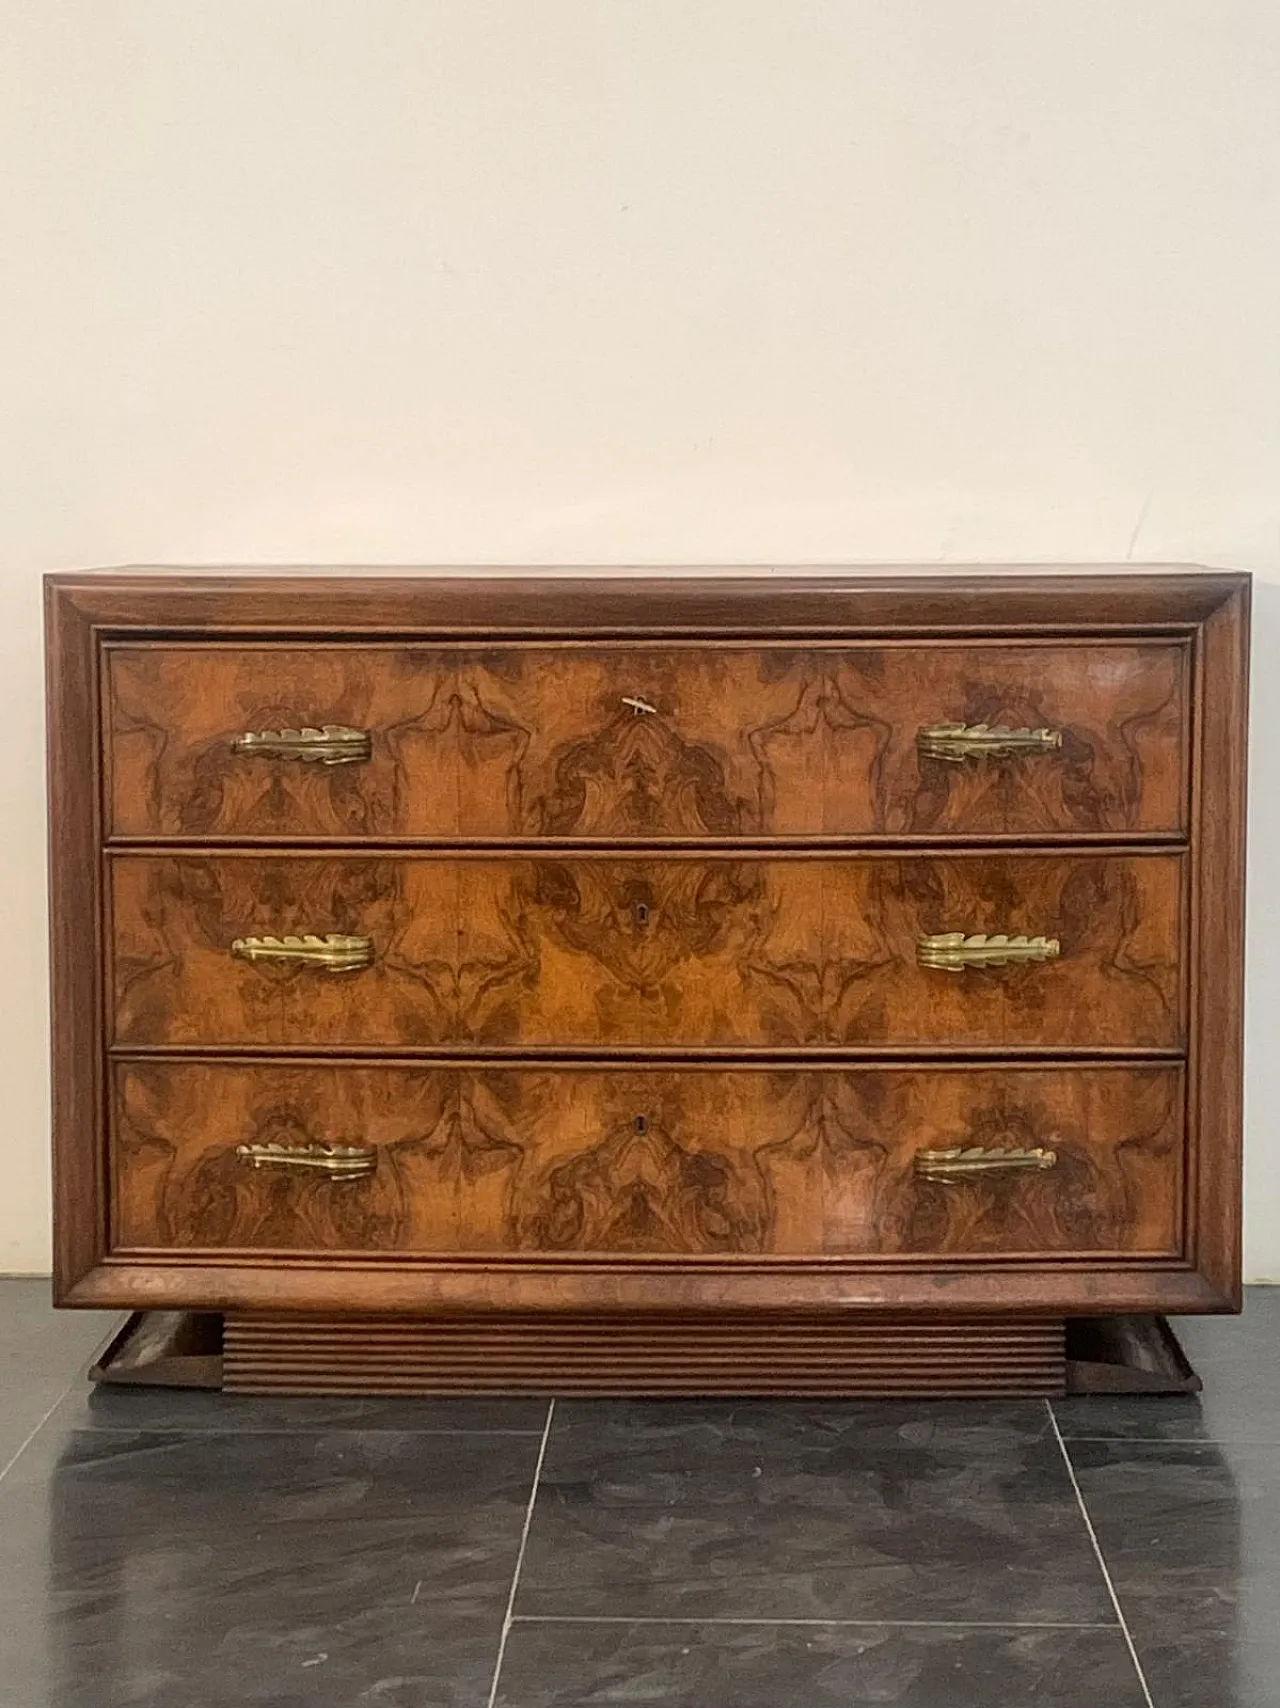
x,y
881,1356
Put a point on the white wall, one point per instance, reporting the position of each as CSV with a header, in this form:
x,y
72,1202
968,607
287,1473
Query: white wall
x,y
646,281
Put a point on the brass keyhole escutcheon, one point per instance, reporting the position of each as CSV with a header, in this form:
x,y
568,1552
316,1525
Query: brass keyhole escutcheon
x,y
640,911
641,1123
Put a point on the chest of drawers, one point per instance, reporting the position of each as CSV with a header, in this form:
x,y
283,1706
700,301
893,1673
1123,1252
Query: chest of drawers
x,y
806,984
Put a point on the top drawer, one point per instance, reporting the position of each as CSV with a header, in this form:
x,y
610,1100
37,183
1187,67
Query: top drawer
x,y
617,740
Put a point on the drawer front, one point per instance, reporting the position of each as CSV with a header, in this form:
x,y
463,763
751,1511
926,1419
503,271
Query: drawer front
x,y
606,741
1004,1161
687,952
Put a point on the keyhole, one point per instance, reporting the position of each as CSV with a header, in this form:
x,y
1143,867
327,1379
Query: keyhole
x,y
642,913
641,1123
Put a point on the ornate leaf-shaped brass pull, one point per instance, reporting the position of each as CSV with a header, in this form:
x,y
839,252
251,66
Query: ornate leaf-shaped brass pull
x,y
339,1162
958,742
331,954
331,744
966,1161
953,951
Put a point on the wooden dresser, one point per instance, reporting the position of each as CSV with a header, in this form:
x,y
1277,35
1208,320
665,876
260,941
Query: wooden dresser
x,y
804,984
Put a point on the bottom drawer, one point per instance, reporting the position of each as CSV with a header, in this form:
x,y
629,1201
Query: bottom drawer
x,y
484,1160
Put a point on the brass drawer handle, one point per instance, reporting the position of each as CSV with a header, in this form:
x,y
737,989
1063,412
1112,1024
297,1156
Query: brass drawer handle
x,y
953,951
331,954
958,742
339,1162
638,706
967,1160
332,744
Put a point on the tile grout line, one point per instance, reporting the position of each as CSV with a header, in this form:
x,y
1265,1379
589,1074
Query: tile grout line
x,y
1171,1441
13,1460
77,1375
1102,1564
187,1432
508,1618
858,1624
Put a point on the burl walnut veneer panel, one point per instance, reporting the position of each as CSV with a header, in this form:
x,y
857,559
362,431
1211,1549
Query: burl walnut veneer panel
x,y
678,953
648,1163
624,742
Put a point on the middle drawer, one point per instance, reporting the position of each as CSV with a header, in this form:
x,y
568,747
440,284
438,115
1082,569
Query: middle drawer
x,y
423,951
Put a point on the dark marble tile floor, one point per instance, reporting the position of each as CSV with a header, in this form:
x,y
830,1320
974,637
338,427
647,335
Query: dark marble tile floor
x,y
810,1511
171,1550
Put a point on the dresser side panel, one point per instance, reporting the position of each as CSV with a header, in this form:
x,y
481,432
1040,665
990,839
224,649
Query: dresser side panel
x,y
1216,1094
75,926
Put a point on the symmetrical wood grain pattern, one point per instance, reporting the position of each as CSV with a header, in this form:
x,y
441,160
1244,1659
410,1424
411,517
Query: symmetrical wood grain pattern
x,y
538,742
562,844
648,1162
1117,981
678,953
176,982
865,1356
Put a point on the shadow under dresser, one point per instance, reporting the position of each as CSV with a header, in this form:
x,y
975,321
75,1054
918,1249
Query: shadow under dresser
x,y
797,983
